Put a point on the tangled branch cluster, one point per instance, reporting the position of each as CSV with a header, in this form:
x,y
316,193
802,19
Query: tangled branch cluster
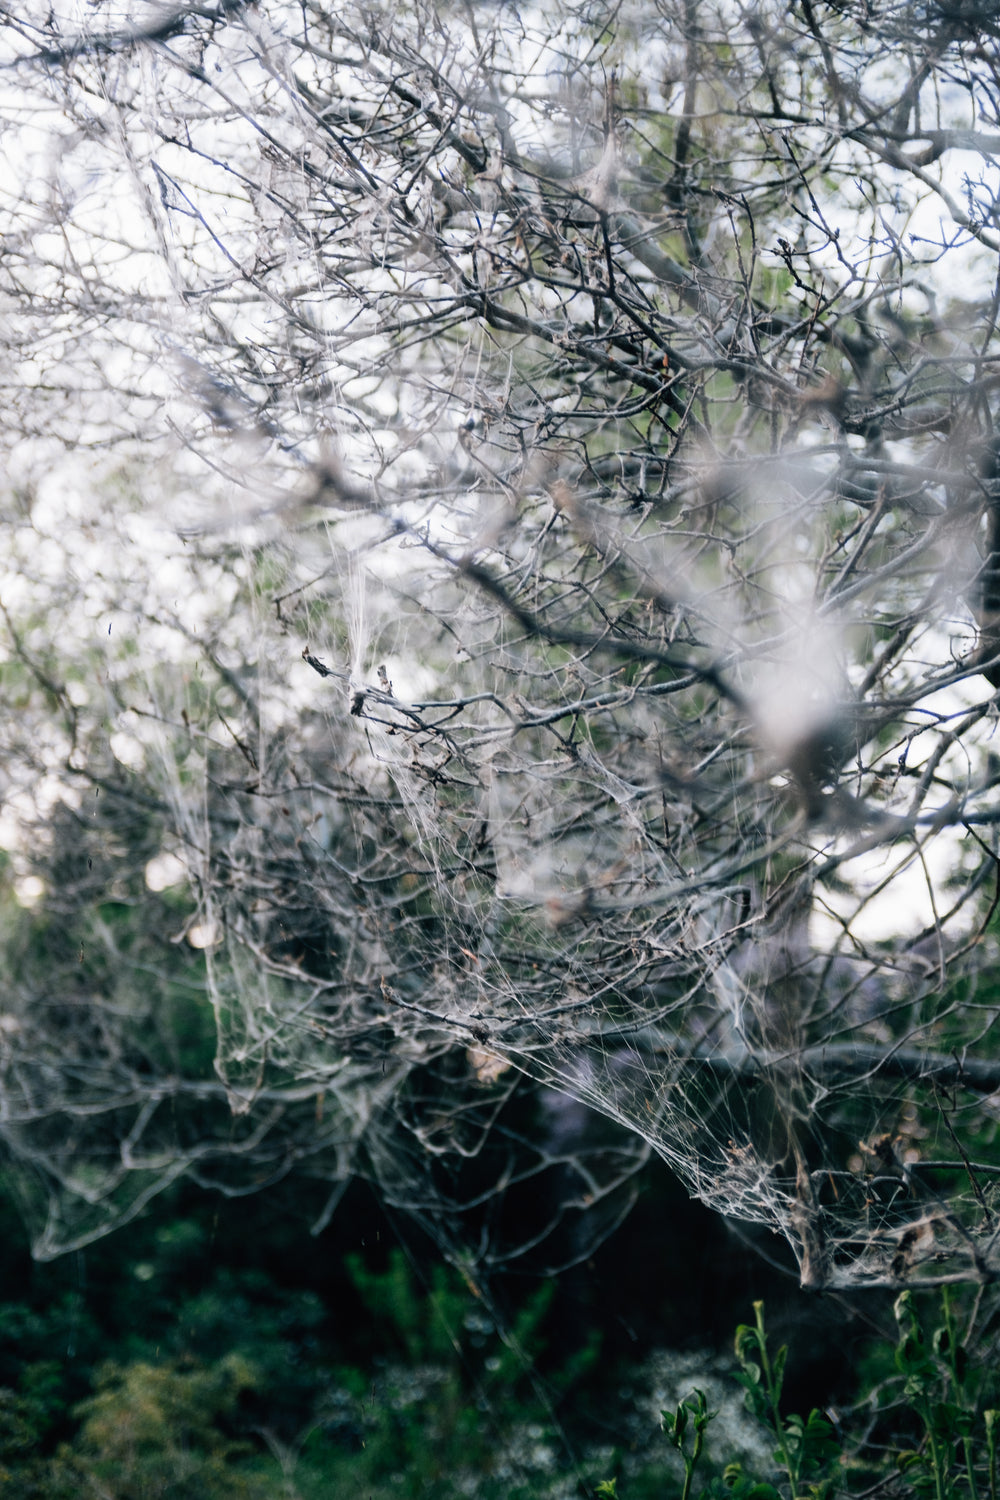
x,y
582,425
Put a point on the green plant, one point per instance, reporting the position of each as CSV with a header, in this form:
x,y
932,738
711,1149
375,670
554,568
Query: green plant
x,y
941,1387
942,1444
806,1448
991,1417
163,1430
694,1410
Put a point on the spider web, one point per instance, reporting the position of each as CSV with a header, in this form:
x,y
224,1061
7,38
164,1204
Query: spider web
x,y
546,684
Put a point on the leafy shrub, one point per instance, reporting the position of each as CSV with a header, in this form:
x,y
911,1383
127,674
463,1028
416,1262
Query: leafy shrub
x,y
161,1431
934,1435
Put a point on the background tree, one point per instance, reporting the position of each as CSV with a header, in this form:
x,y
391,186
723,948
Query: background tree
x,y
511,501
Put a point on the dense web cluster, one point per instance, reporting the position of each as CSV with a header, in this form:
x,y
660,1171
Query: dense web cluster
x,y
527,555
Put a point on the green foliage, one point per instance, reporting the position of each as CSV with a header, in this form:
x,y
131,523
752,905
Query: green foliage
x,y
942,1388
152,1431
806,1451
410,1428
693,1408
168,1377
220,1382
805,1446
394,1297
945,1436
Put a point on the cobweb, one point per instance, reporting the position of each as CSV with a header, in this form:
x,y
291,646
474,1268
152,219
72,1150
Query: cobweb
x,y
611,889
569,702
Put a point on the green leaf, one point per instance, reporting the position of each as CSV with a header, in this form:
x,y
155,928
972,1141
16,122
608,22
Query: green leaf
x,y
908,1458
675,1425
905,1316
912,1358
697,1404
778,1371
746,1340
944,1419
820,1445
